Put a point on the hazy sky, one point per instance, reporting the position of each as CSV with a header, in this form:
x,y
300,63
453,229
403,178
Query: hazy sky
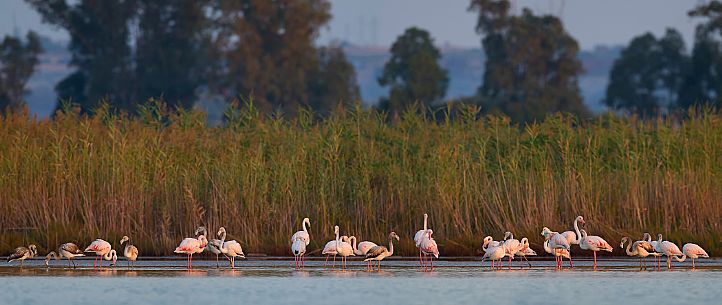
x,y
379,22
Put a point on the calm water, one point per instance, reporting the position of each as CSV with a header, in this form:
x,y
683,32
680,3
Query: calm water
x,y
618,281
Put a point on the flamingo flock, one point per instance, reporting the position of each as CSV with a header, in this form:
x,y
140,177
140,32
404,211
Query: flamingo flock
x,y
557,244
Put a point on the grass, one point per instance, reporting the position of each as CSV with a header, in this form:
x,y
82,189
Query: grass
x,y
160,175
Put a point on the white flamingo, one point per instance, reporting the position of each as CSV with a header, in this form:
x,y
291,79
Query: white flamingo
x,y
378,253
511,246
101,249
299,241
231,248
638,248
304,233
420,235
557,242
655,245
343,248
330,249
692,251
493,251
429,248
362,249
574,237
667,248
130,252
190,246
594,243
22,253
489,242
525,250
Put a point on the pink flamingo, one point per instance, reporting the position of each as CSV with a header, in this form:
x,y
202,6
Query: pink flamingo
x,y
419,237
594,243
428,247
692,251
100,248
190,246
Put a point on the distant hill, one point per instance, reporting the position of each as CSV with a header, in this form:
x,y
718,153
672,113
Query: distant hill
x,y
465,65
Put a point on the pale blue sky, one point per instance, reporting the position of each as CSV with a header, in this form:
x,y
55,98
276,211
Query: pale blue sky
x,y
379,22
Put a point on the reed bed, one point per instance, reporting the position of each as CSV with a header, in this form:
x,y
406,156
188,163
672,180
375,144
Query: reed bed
x,y
158,176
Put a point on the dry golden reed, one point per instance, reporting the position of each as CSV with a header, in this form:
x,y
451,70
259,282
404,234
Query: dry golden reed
x,y
160,175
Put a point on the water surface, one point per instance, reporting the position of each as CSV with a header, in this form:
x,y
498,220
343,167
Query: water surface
x,y
270,281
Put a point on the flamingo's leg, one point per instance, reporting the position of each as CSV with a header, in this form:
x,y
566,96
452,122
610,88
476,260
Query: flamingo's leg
x,y
595,260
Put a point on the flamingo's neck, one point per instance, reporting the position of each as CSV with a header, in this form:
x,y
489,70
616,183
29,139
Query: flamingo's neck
x,y
355,249
629,247
338,241
426,219
223,240
578,235
391,245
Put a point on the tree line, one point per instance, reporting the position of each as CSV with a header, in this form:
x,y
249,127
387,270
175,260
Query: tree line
x,y
126,52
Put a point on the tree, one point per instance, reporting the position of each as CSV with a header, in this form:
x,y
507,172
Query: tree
x,y
267,49
413,72
333,82
17,64
648,75
171,50
703,84
99,43
531,65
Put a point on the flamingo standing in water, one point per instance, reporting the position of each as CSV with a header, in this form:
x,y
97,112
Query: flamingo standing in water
x,y
692,251
213,245
558,243
130,252
363,248
525,250
190,246
511,246
22,253
101,249
667,248
655,245
330,249
429,248
494,251
69,251
594,243
231,248
378,253
299,241
638,248
343,248
419,237
561,253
